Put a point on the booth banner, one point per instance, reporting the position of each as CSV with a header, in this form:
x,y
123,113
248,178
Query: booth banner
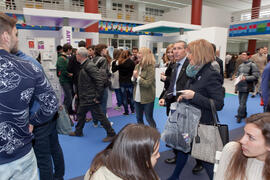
x,y
66,34
248,29
111,27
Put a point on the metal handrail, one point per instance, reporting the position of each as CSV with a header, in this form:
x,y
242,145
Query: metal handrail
x,y
253,13
77,6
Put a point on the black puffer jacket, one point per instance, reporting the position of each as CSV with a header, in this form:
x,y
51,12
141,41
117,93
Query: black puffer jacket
x,y
90,83
206,84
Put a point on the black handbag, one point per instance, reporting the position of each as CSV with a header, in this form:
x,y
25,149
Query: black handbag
x,y
223,128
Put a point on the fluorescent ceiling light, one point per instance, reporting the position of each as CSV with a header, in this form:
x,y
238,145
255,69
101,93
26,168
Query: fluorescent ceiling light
x,y
173,2
163,5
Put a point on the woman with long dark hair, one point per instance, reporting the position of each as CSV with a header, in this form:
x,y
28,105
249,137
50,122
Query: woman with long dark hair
x,y
131,156
248,158
166,77
125,67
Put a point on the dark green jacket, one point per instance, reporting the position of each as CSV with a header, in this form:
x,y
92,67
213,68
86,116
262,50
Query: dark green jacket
x,y
61,69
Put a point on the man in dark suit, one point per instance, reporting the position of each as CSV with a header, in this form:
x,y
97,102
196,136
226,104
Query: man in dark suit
x,y
178,79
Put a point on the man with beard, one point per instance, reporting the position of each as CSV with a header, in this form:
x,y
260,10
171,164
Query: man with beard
x,y
21,83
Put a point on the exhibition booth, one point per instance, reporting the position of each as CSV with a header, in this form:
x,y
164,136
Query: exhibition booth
x,y
173,32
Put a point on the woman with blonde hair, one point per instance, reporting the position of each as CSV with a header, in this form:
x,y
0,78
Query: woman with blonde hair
x,y
204,83
144,86
166,77
168,56
131,156
248,158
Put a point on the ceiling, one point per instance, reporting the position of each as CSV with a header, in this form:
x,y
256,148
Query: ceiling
x,y
229,5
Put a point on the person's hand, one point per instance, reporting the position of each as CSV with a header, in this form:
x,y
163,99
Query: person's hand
x,y
70,74
186,94
96,101
243,78
31,128
161,102
179,99
135,74
162,76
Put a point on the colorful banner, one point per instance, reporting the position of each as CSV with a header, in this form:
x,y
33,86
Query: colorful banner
x,y
248,29
111,27
105,27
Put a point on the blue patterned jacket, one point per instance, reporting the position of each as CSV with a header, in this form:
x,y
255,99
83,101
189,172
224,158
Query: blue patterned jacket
x,y
22,82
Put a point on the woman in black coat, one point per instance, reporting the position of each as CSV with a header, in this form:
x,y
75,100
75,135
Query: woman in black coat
x,y
205,83
165,77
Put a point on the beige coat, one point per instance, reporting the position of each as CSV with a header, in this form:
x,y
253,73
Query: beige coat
x,y
102,174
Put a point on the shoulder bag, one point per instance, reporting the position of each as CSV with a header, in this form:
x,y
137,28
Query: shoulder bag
x,y
209,138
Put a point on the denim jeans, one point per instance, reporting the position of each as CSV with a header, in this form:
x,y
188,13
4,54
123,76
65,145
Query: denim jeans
x,y
48,152
147,109
24,168
118,95
103,103
181,162
242,109
127,92
68,91
97,113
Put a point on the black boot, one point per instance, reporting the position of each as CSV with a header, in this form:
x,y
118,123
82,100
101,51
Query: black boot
x,y
198,167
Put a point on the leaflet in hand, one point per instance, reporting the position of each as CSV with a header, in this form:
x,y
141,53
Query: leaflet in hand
x,y
238,79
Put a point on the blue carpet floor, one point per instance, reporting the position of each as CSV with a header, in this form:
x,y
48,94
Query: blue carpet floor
x,y
79,151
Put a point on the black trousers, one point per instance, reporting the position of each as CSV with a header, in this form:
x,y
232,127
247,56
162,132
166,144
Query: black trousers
x,y
48,150
97,114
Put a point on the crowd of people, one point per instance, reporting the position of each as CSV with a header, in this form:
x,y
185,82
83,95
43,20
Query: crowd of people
x,y
193,75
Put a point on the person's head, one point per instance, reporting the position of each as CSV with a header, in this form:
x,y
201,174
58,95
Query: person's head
x,y
214,47
74,50
82,44
179,50
59,49
265,50
116,53
124,55
134,51
91,50
67,49
8,33
101,50
261,51
244,55
256,140
200,52
133,153
145,57
81,54
255,143
169,54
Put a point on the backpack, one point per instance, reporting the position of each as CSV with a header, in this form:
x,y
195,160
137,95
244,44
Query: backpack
x,y
105,74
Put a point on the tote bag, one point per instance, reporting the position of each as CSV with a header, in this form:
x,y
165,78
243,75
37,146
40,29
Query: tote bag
x,y
208,139
181,126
